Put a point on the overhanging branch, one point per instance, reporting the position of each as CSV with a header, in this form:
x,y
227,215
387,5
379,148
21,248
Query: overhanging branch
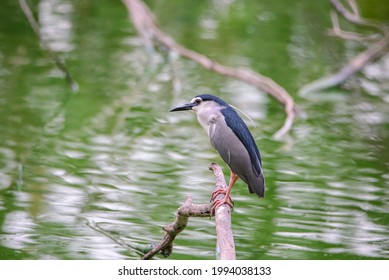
x,y
142,19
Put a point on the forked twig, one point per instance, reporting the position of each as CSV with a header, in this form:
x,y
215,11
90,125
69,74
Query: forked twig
x,y
378,48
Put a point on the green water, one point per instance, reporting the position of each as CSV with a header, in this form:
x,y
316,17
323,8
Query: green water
x,y
111,157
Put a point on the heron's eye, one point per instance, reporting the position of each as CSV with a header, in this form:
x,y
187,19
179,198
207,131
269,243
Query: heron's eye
x,y
198,101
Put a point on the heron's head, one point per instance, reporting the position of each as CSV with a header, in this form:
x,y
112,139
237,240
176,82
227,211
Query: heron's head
x,y
201,101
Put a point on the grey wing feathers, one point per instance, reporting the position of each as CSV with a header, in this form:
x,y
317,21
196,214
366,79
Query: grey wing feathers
x,y
241,130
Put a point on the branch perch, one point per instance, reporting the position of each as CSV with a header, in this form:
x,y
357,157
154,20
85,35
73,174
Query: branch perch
x,y
356,64
143,21
225,240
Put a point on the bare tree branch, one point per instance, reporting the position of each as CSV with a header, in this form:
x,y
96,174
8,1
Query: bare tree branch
x,y
225,240
224,236
336,31
353,16
178,225
356,64
143,21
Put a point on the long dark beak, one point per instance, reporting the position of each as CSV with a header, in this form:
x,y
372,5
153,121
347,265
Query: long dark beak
x,y
184,107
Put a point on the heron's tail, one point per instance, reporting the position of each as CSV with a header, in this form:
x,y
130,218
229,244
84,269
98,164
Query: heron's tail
x,y
257,185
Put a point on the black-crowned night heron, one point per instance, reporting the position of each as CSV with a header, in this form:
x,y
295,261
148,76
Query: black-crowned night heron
x,y
233,141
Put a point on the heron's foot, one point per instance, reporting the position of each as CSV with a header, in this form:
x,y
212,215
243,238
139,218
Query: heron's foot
x,y
217,192
216,203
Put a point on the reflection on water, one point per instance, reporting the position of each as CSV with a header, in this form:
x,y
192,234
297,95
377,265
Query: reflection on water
x,y
56,25
114,160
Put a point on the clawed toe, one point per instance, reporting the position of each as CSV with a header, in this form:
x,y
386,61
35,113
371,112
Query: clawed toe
x,y
216,193
226,200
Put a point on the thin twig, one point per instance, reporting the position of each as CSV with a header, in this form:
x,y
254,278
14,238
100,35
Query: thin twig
x,y
354,7
354,17
143,21
137,249
336,31
353,66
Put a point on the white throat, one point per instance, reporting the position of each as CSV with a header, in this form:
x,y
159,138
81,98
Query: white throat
x,y
207,114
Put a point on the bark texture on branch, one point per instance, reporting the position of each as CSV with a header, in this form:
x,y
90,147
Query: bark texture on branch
x,y
143,21
225,240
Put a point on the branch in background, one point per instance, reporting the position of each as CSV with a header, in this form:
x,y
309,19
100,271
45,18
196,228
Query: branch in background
x,y
143,21
225,240
336,31
354,17
57,61
377,49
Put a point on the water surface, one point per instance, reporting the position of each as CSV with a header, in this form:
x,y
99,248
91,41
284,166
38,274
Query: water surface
x,y
110,158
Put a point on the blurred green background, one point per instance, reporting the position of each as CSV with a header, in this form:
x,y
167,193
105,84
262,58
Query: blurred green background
x,y
111,155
